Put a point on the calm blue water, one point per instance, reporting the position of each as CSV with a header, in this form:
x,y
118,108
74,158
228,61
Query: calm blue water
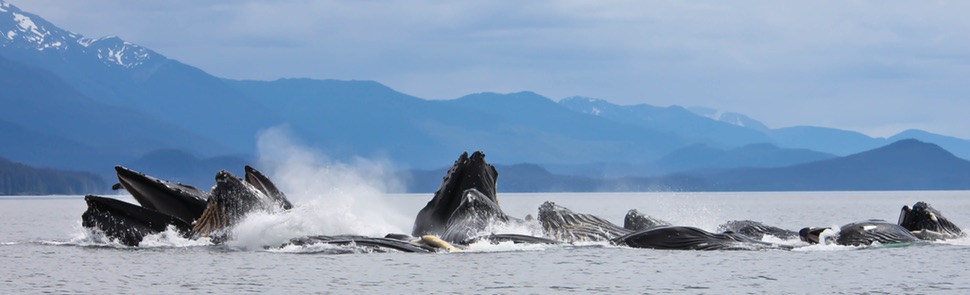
x,y
44,250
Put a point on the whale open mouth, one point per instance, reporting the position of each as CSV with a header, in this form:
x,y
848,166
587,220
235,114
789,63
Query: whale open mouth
x,y
232,200
927,223
213,218
811,235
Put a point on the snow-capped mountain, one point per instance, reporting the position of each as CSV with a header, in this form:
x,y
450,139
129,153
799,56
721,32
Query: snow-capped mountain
x,y
23,31
731,118
673,118
115,72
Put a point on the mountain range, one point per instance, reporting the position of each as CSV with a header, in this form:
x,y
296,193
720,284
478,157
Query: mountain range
x,y
903,165
20,179
81,104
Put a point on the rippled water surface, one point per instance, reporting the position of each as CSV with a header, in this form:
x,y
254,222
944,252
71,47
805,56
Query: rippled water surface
x,y
43,249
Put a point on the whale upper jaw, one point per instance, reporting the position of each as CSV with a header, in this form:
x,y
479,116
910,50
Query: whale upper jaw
x,y
264,185
180,200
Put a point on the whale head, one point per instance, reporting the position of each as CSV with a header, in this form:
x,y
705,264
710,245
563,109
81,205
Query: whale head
x,y
634,220
927,222
468,172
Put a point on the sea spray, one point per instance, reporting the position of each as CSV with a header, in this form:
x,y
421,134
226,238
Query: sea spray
x,y
93,237
507,246
963,241
531,228
329,197
172,238
829,234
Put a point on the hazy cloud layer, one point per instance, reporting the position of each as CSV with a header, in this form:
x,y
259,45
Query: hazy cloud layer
x,y
873,66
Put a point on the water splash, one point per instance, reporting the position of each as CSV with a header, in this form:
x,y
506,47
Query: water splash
x,y
321,248
329,197
487,246
826,247
532,228
794,242
171,238
92,237
829,234
962,241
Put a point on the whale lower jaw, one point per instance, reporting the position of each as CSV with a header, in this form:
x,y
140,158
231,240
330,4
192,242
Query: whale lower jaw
x,y
127,223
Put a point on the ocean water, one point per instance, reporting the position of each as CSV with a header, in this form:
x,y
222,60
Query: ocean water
x,y
43,249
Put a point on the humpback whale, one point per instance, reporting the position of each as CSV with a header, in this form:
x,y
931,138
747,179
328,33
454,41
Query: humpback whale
x,y
862,233
467,173
634,220
756,230
670,237
165,203
230,201
465,206
927,223
562,224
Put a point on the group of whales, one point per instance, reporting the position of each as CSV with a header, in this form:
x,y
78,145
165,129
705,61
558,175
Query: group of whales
x,y
464,210
192,212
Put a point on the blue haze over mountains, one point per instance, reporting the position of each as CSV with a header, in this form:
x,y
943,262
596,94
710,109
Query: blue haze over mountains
x,y
74,103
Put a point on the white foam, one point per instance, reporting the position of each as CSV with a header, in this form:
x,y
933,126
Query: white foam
x,y
508,246
171,238
825,247
828,234
313,218
776,240
964,241
91,237
531,228
87,237
319,248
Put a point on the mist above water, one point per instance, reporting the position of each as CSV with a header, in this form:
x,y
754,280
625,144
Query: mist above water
x,y
329,197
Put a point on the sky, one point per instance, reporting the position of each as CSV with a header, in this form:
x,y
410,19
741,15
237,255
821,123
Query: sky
x,y
877,67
